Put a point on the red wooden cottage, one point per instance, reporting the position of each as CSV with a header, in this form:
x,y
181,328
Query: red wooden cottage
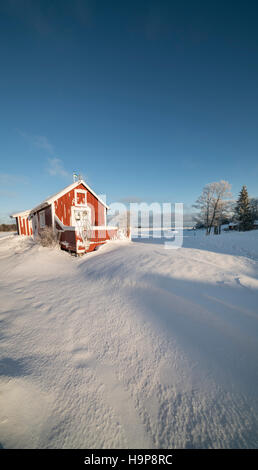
x,y
76,214
23,224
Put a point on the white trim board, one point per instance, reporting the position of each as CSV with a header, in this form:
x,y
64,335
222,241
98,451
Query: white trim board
x,y
20,214
80,191
63,227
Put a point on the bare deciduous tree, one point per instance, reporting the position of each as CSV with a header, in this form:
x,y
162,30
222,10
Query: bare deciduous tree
x,y
213,204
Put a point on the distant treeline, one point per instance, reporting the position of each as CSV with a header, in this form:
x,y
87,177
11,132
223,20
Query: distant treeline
x,y
216,208
7,227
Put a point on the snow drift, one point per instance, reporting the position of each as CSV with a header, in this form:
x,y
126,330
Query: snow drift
x,y
133,346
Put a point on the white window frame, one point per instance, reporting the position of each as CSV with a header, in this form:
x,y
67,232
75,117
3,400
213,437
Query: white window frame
x,y
80,207
80,191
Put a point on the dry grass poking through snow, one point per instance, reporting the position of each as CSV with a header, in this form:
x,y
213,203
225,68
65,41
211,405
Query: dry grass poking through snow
x,y
47,238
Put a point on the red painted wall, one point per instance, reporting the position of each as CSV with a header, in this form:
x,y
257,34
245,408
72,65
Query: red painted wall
x,y
97,210
63,207
24,225
64,203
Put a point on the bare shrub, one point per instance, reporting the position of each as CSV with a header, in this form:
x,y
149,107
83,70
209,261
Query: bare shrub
x,y
47,237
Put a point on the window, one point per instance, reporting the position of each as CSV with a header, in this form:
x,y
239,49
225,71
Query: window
x,y
80,197
77,215
42,219
81,216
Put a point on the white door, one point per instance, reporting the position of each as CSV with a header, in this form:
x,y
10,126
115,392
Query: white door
x,y
82,222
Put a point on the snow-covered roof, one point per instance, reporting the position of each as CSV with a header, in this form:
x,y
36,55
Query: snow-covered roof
x,y
56,196
20,214
53,198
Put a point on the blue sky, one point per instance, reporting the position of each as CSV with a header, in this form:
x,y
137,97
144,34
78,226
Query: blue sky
x,y
149,100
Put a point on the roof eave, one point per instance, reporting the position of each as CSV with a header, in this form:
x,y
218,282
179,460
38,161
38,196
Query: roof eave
x,y
52,199
72,186
20,214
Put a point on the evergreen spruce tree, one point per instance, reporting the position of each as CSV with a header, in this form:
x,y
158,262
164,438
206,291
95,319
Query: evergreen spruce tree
x,y
243,210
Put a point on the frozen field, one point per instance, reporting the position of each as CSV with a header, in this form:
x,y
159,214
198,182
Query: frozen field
x,y
133,346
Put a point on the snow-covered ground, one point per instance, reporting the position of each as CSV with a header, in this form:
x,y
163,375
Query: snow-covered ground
x,y
130,346
6,234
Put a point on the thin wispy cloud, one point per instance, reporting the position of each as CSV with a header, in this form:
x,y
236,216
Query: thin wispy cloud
x,y
7,179
39,141
55,164
42,142
56,168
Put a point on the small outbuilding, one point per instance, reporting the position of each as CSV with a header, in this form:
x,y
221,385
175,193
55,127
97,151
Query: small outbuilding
x,y
233,226
23,223
76,214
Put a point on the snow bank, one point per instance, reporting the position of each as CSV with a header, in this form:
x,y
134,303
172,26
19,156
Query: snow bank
x,y
231,242
132,346
4,235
